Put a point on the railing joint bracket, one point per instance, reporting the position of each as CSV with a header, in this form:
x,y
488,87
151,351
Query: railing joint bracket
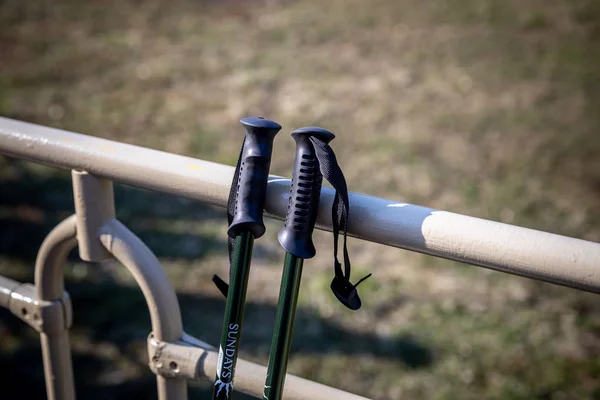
x,y
175,360
42,315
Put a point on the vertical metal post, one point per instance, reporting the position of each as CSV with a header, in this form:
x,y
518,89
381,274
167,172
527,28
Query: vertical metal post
x,y
94,205
101,236
49,283
58,369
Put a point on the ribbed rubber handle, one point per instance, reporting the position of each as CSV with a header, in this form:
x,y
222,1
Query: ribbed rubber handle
x,y
296,235
253,176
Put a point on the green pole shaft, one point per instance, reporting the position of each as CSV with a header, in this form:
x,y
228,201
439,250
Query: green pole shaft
x,y
234,314
284,325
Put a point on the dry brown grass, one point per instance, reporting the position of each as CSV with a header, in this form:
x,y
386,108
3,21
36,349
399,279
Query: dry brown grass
x,y
480,107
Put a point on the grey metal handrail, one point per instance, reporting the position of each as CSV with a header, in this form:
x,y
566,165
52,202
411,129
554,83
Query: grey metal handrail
x,y
521,251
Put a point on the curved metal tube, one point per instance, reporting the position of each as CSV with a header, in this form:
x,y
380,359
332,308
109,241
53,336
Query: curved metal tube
x,y
49,284
158,292
49,275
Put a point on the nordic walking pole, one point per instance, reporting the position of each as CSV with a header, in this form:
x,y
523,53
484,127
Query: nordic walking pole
x,y
296,239
245,212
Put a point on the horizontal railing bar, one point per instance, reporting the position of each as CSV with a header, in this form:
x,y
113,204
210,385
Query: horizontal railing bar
x,y
7,287
197,360
521,251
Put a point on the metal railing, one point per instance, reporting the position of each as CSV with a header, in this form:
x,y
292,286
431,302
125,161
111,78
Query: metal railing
x,y
175,356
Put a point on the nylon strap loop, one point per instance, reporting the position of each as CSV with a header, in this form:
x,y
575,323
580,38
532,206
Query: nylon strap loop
x,y
341,286
220,283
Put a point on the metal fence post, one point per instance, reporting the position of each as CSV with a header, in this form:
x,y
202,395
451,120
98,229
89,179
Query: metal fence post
x,y
101,237
49,284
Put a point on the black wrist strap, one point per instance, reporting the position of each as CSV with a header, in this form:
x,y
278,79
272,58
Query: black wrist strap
x,y
220,283
341,286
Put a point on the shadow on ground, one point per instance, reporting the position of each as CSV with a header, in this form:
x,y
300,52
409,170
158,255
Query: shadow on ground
x,y
111,321
32,204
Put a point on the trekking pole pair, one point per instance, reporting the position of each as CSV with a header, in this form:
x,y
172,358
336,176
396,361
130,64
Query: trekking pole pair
x,y
314,159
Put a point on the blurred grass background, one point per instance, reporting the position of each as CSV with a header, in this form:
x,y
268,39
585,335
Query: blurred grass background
x,y
483,107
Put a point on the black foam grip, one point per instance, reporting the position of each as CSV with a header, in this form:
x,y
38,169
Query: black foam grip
x,y
303,206
253,176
